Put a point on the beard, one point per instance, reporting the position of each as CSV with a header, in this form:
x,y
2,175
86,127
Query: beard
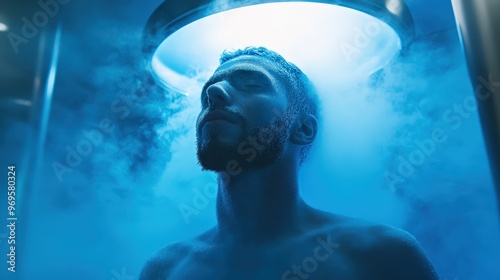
x,y
267,144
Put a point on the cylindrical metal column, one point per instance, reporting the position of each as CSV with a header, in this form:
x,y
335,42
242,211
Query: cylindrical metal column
x,y
479,26
28,63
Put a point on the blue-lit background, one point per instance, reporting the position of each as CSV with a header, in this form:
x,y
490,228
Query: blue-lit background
x,y
139,188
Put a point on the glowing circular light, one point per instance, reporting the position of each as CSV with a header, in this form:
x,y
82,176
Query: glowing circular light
x,y
344,43
3,27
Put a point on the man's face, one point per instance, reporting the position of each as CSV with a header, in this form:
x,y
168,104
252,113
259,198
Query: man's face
x,y
244,116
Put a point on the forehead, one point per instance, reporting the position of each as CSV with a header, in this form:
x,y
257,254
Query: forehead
x,y
249,63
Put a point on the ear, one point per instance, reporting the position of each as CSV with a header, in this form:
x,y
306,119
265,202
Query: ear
x,y
304,129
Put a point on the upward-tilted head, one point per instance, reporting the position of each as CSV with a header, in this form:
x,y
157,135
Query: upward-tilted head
x,y
256,108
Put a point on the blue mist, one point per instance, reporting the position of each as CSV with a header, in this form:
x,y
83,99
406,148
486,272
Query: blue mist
x,y
125,199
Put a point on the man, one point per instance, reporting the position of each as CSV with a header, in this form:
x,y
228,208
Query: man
x,y
258,120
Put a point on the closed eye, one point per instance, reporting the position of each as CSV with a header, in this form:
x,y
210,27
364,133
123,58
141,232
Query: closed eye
x,y
249,80
253,85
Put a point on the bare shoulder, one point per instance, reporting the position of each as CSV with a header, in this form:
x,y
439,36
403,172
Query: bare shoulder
x,y
400,254
386,251
163,261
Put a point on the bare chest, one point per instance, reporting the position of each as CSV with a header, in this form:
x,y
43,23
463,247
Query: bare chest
x,y
310,260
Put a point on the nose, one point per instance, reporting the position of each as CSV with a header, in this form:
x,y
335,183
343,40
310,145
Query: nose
x,y
218,95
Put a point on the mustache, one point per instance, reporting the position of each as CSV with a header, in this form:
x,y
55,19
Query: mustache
x,y
233,114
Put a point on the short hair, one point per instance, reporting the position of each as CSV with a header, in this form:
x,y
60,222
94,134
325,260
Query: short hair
x,y
302,94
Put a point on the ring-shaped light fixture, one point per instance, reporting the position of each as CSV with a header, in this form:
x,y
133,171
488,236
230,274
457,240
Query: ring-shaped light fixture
x,y
346,39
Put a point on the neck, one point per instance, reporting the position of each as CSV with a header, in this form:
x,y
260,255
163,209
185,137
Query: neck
x,y
260,205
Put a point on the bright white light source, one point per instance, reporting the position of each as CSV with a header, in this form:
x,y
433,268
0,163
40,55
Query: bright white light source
x,y
3,27
326,41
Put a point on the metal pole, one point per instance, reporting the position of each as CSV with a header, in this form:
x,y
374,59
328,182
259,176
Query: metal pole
x,y
479,26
